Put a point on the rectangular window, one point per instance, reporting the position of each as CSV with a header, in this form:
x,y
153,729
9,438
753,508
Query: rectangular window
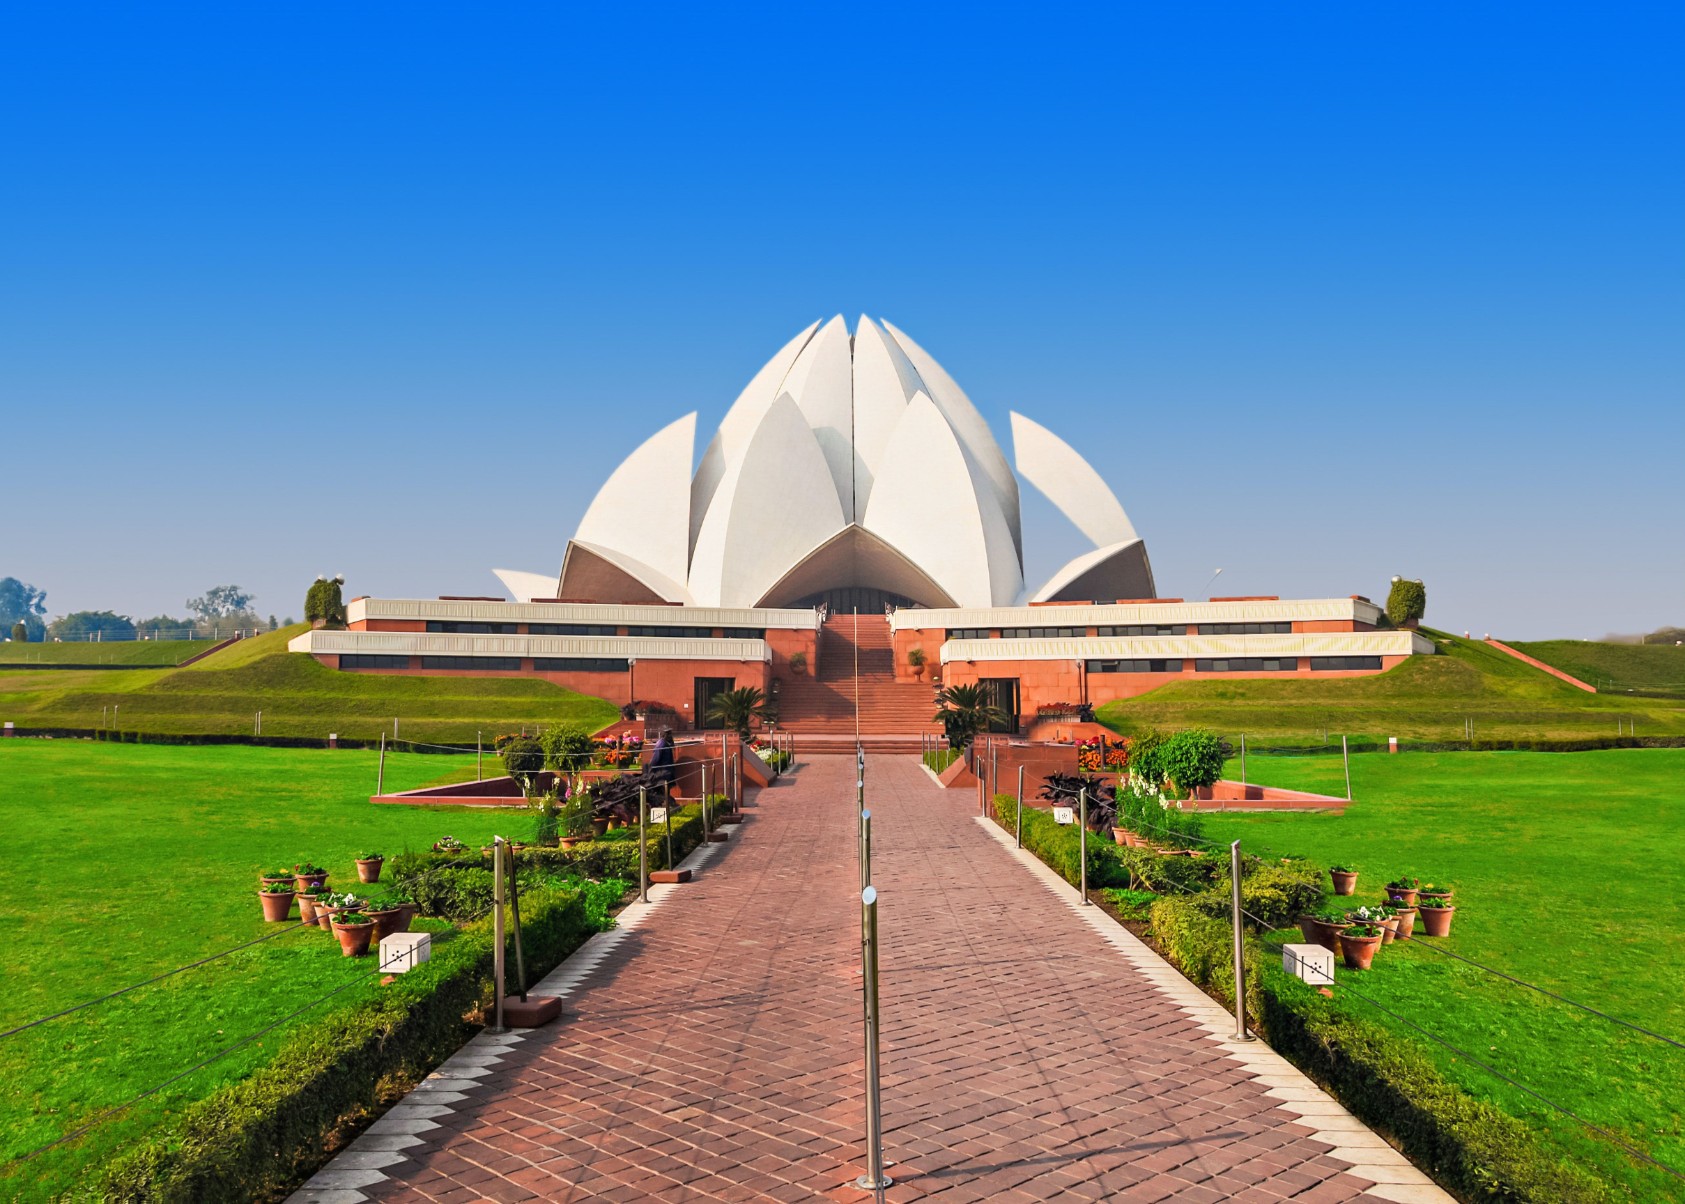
x,y
968,633
1141,629
743,633
674,633
1043,633
1345,662
365,660
579,664
570,629
1243,628
502,663
441,626
1136,666
1248,664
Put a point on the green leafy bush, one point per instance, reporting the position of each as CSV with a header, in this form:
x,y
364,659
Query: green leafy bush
x,y
523,759
568,748
1058,845
324,602
1407,602
1192,759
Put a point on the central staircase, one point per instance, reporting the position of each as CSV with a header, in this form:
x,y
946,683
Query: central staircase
x,y
819,708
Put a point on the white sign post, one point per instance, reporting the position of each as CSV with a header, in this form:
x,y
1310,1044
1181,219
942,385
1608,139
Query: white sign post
x,y
1064,815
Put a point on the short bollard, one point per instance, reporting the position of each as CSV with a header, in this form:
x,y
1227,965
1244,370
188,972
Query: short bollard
x,y
497,1025
1082,843
1240,1033
1020,806
874,1180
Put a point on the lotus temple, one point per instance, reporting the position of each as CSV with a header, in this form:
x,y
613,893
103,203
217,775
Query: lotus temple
x,y
851,532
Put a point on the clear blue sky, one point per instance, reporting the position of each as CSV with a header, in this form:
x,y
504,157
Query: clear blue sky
x,y
1327,293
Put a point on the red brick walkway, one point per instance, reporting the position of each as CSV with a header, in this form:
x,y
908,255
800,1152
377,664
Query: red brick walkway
x,y
715,1051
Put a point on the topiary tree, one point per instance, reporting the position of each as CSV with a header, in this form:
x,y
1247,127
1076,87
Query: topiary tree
x,y
1407,602
568,748
324,605
523,759
1192,759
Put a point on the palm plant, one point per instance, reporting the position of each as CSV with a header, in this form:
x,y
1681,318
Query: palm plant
x,y
738,709
966,711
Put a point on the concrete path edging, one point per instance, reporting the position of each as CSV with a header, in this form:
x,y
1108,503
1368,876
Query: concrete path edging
x,y
1368,1155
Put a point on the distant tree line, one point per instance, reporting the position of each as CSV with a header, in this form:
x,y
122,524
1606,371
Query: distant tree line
x,y
218,613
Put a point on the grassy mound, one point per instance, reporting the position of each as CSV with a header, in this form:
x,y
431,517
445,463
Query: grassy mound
x,y
157,653
298,697
1425,698
1652,670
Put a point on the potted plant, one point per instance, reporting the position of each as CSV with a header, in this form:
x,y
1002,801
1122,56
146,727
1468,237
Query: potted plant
x,y
307,899
368,866
1382,917
574,819
798,661
1358,944
387,916
406,905
449,844
271,876
305,875
1406,921
277,900
1436,916
329,905
1433,891
915,658
1324,928
1345,880
354,930
1402,891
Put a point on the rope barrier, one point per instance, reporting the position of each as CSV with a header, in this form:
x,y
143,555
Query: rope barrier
x,y
107,1113
155,978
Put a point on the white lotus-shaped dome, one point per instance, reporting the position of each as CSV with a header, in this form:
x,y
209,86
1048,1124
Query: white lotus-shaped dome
x,y
849,466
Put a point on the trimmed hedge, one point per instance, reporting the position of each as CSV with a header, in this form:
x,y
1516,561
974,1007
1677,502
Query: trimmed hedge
x,y
1058,845
258,1138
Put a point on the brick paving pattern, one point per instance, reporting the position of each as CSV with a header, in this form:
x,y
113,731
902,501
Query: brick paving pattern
x,y
714,1054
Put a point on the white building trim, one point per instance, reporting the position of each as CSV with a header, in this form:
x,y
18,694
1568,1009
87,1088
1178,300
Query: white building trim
x,y
417,643
360,610
1184,647
1298,610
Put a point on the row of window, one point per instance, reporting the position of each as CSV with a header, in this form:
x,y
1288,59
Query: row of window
x,y
507,663
571,629
580,664
443,626
1135,629
1243,629
1236,664
451,627
1140,629
365,660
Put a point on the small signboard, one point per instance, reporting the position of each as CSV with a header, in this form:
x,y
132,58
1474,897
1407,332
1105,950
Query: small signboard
x,y
1064,815
658,815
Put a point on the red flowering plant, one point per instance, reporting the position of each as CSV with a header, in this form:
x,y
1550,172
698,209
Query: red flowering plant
x,y
1101,754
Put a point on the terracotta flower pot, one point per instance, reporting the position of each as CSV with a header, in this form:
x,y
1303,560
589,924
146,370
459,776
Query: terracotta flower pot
x,y
1358,952
1121,835
1403,898
369,871
409,913
1406,922
1323,932
267,880
1435,896
1389,929
567,842
386,922
1436,921
1345,881
599,826
307,908
354,938
324,915
302,881
276,907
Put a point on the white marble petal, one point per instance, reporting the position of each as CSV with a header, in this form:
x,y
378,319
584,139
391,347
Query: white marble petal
x,y
775,504
738,426
880,399
933,502
1109,574
821,383
524,586
1070,483
657,582
642,509
968,423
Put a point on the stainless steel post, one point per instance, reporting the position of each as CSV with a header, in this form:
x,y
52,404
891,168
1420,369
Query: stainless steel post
x,y
865,849
380,772
874,1180
994,768
705,828
1082,843
1346,756
667,814
497,896
479,757
1020,806
643,845
1243,758
1240,1033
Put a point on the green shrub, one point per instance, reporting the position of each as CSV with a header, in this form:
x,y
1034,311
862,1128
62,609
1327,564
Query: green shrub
x,y
1173,875
523,757
1058,845
1407,602
568,748
1146,758
324,602
1192,759
259,1137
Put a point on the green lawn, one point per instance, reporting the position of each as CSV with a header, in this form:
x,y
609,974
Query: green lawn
x,y
128,860
1568,874
168,653
1636,669
298,697
1426,698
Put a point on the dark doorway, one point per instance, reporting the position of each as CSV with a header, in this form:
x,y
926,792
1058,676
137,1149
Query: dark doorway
x,y
707,688
1003,693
